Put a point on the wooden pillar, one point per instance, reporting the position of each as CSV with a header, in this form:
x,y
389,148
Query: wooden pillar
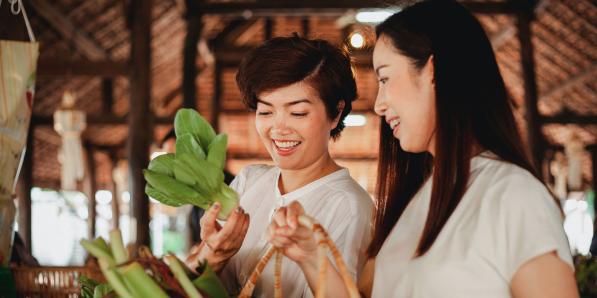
x,y
139,119
115,193
305,27
533,121
107,95
216,104
90,188
269,28
24,191
593,150
189,67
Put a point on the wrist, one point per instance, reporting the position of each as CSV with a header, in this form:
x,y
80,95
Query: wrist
x,y
309,265
215,261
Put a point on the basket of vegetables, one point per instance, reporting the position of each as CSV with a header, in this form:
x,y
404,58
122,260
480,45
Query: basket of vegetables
x,y
145,275
193,175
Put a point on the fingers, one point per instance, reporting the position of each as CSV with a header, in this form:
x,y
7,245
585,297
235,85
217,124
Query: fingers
x,y
231,224
280,217
293,211
208,221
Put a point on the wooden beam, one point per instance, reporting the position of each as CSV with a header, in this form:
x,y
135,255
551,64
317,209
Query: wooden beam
x,y
499,39
194,25
294,7
232,31
556,92
59,21
78,67
90,188
108,119
565,118
534,136
232,56
24,191
140,126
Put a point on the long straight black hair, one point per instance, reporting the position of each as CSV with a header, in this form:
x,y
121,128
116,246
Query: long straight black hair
x,y
472,109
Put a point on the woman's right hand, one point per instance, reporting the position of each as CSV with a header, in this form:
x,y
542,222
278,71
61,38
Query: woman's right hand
x,y
296,241
219,243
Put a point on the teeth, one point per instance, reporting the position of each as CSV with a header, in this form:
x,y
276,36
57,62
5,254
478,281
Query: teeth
x,y
289,144
394,123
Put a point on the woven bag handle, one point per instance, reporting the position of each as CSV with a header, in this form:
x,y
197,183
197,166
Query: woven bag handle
x,y
324,243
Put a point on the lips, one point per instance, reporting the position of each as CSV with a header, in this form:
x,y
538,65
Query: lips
x,y
286,147
393,122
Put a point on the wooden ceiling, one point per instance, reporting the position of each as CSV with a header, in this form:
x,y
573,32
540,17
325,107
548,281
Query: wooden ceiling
x,y
85,48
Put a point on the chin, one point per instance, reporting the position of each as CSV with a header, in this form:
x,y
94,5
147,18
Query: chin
x,y
287,165
410,148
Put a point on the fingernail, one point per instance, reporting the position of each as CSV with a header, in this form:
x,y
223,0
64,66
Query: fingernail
x,y
239,209
216,206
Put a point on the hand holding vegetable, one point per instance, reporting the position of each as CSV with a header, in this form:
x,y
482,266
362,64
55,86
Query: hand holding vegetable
x,y
296,241
219,244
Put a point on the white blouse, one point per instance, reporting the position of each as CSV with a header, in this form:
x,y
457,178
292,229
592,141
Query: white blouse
x,y
505,218
336,201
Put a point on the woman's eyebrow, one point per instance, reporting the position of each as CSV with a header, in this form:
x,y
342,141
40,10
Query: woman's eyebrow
x,y
380,67
297,102
286,104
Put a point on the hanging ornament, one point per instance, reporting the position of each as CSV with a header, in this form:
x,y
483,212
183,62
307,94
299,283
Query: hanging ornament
x,y
70,123
559,171
574,152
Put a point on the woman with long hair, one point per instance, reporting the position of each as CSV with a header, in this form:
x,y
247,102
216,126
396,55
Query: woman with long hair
x,y
461,211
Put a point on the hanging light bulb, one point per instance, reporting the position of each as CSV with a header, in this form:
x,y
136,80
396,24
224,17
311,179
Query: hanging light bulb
x,y
357,40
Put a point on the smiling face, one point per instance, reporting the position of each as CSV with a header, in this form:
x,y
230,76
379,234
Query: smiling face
x,y
406,97
293,125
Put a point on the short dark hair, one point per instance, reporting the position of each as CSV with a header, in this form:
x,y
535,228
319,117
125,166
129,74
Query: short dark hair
x,y
283,61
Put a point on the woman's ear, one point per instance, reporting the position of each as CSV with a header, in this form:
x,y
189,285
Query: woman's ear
x,y
340,106
430,69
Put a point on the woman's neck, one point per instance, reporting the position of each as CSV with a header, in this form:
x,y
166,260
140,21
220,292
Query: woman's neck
x,y
291,180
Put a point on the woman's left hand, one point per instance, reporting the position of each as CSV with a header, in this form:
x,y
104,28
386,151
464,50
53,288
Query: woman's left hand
x,y
296,241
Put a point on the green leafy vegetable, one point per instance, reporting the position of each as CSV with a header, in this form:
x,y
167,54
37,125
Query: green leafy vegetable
x,y
102,290
217,151
186,144
163,164
144,276
189,121
209,282
194,174
87,286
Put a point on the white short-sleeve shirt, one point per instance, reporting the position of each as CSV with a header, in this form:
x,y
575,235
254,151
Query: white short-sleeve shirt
x,y
336,201
505,218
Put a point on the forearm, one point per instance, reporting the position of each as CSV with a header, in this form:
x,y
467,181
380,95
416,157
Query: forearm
x,y
334,285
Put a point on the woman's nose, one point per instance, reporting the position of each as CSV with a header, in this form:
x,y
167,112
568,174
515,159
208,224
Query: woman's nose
x,y
280,124
380,106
